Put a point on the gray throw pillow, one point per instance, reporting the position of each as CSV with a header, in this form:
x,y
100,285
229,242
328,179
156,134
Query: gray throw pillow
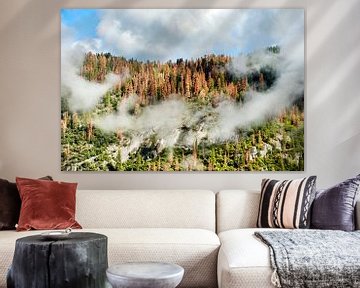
x,y
334,208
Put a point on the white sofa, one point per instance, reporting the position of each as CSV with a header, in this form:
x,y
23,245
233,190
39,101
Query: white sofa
x,y
175,226
243,261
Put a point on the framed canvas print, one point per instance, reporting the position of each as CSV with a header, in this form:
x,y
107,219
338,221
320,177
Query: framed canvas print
x,y
182,89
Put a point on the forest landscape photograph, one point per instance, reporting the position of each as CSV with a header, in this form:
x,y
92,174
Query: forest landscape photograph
x,y
182,90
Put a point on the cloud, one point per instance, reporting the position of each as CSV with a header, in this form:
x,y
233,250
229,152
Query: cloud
x,y
289,86
82,94
169,34
245,63
162,119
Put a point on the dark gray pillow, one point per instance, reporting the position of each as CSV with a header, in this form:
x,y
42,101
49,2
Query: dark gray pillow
x,y
9,205
334,208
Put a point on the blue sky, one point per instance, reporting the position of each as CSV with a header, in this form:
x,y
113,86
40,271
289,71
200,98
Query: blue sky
x,y
168,34
82,21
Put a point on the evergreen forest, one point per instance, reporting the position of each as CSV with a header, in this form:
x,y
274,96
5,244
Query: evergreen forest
x,y
203,84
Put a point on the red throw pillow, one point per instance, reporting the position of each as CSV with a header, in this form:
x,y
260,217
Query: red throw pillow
x,y
10,204
46,204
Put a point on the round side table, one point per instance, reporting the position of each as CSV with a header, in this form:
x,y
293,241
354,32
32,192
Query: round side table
x,y
78,261
145,275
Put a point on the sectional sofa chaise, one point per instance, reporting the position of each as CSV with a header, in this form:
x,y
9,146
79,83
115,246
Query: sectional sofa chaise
x,y
210,235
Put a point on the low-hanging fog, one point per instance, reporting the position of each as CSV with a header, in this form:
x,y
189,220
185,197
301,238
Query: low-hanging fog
x,y
82,95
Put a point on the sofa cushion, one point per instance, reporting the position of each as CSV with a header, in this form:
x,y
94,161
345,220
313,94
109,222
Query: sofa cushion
x,y
10,204
244,261
46,204
153,209
334,208
194,249
236,209
286,204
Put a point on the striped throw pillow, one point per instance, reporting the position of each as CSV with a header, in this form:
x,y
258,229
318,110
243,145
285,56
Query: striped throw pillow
x,y
286,204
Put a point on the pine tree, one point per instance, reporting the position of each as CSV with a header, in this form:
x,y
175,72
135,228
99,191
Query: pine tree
x,y
262,84
89,130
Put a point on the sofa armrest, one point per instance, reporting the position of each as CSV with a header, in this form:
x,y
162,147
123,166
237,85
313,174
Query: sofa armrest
x,y
357,215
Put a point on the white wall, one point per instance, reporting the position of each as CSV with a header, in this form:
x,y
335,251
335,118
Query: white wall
x,y
30,95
